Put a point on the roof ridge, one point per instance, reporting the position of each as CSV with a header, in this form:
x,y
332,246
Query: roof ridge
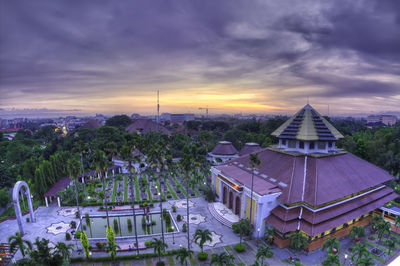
x,y
291,179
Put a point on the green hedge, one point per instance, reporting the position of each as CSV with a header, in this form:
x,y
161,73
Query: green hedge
x,y
125,257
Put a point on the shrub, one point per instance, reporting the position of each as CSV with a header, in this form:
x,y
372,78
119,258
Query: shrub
x,y
179,218
202,256
169,196
87,219
240,247
170,229
160,263
143,221
67,236
168,220
73,224
100,245
371,238
164,213
153,222
116,229
184,228
192,194
78,234
129,225
178,191
173,208
148,243
27,219
77,216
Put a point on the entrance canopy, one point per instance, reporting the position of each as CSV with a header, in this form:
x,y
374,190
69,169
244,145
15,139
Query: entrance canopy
x,y
60,185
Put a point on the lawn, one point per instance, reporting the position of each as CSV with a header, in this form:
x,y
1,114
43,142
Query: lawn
x,y
172,191
137,189
114,191
181,187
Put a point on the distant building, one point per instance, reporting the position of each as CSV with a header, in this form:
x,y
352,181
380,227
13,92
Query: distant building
x,y
144,126
249,147
177,118
304,184
92,124
223,152
381,120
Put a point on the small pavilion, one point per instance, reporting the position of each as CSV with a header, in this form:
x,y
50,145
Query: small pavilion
x,y
223,152
57,187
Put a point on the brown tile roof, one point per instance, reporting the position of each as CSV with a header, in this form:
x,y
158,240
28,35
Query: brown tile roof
x,y
249,148
144,125
224,148
336,215
242,177
326,178
58,186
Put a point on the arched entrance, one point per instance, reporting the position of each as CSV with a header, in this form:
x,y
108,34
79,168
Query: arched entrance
x,y
237,206
230,200
16,190
224,195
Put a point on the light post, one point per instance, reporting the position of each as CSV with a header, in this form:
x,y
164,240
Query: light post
x,y
258,235
345,258
173,237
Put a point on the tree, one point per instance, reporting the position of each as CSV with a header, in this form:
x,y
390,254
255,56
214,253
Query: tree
x,y
158,246
4,197
397,223
127,153
183,255
85,244
187,163
270,234
391,244
101,163
17,240
202,236
366,261
73,170
254,161
43,255
221,259
375,220
64,251
298,241
383,228
242,228
357,232
263,252
111,245
332,260
332,245
119,121
360,251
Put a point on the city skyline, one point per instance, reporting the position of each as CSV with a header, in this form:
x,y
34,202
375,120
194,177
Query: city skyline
x,y
260,57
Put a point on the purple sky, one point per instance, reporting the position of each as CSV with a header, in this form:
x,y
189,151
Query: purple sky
x,y
235,56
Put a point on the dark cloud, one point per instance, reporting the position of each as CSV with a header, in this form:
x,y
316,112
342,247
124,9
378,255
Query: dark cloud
x,y
99,48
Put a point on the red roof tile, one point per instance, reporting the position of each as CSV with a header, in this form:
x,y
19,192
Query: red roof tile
x,y
249,148
224,148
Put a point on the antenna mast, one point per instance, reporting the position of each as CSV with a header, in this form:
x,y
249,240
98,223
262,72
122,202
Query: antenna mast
x,y
158,112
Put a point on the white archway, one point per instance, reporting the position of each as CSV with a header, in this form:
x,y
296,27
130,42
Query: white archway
x,y
17,208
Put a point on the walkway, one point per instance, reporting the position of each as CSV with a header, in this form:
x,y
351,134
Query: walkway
x,y
223,214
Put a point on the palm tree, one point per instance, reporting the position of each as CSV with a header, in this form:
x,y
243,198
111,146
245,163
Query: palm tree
x,y
187,163
202,236
332,260
183,255
391,244
357,232
366,261
221,259
254,161
64,250
383,228
127,153
298,241
101,163
376,219
158,246
270,234
332,245
73,170
81,147
242,228
359,251
42,254
263,252
17,240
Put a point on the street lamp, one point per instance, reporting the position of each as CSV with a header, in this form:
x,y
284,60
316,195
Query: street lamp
x,y
258,235
345,258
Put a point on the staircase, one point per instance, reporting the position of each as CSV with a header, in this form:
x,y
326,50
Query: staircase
x,y
218,217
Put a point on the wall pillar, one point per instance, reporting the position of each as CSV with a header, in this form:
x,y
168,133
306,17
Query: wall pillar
x,y
47,203
58,201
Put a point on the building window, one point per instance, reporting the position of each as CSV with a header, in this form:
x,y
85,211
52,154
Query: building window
x,y
284,142
321,145
330,144
312,145
292,144
301,145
